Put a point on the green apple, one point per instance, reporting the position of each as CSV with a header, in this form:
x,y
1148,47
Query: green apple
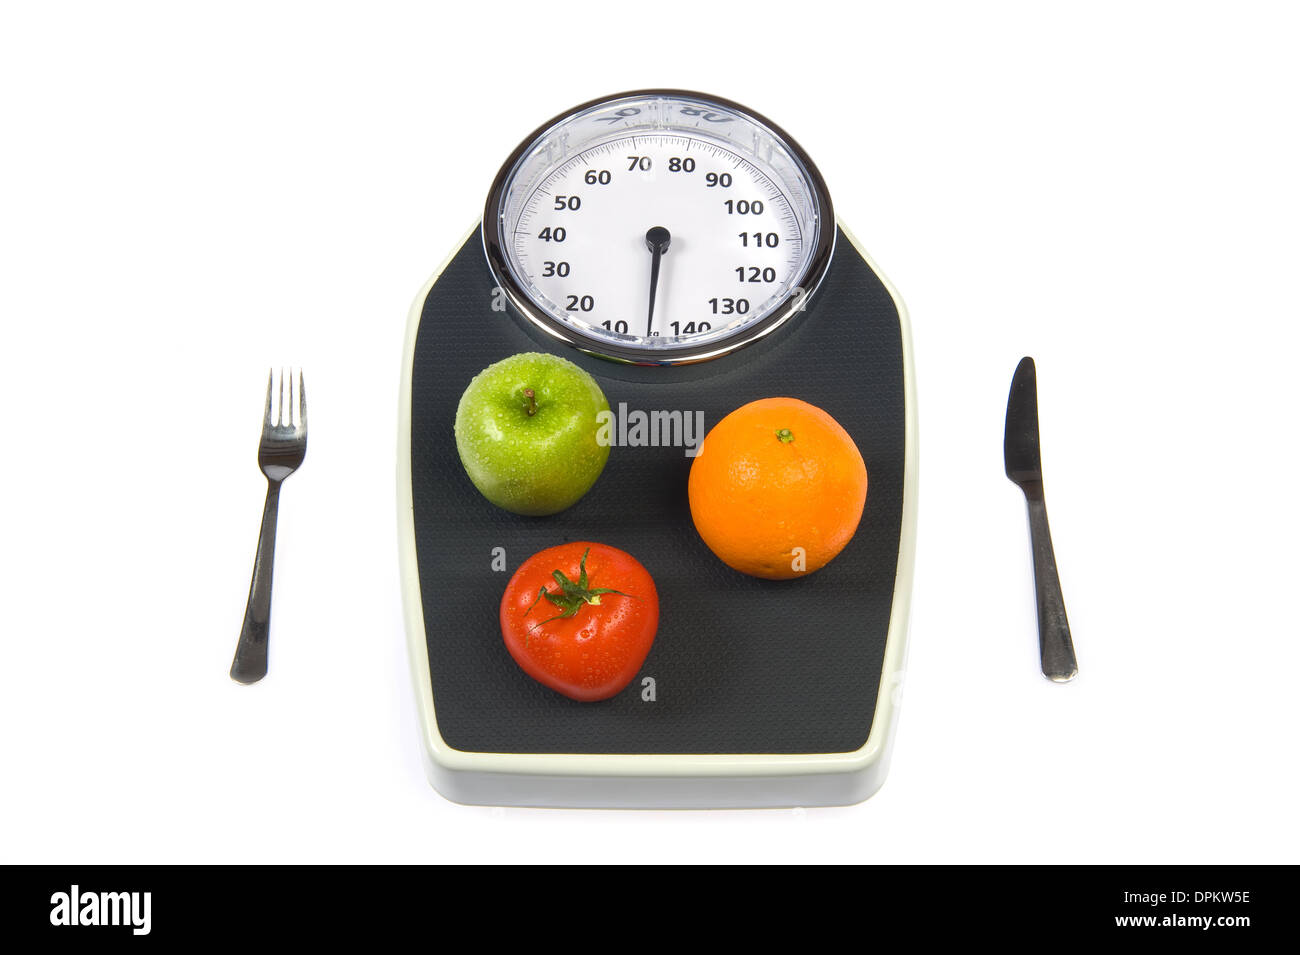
x,y
526,433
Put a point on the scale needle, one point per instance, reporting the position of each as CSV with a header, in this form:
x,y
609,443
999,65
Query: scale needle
x,y
657,240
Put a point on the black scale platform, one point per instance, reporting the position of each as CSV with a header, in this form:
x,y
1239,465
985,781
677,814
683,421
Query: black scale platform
x,y
741,665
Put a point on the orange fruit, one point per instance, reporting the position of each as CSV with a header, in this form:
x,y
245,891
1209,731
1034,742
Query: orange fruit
x,y
778,488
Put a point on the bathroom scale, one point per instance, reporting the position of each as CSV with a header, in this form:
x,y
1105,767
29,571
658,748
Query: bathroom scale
x,y
683,250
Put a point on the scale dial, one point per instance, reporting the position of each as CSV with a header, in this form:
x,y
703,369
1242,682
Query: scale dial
x,y
659,227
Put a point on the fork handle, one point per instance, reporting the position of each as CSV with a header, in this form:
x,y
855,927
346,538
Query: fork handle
x,y
250,655
1055,646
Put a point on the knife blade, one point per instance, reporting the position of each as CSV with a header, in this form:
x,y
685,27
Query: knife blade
x,y
1022,457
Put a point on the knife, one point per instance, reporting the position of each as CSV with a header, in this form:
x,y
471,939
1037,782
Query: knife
x,y
1025,468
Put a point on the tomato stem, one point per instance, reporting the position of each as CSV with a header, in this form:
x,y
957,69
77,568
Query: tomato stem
x,y
571,597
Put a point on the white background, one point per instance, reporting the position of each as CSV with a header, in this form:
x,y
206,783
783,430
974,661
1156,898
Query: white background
x,y
190,193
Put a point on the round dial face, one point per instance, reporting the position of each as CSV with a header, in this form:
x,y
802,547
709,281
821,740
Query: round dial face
x,y
659,227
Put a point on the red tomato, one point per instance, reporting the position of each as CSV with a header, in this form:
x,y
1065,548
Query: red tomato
x,y
580,618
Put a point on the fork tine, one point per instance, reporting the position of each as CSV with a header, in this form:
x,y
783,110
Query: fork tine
x,y
302,402
270,379
280,410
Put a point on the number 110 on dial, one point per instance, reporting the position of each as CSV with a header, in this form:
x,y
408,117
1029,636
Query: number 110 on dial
x,y
659,227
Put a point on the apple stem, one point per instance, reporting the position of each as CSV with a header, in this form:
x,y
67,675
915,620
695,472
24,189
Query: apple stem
x,y
532,401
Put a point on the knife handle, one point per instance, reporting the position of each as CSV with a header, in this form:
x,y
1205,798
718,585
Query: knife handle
x,y
1055,646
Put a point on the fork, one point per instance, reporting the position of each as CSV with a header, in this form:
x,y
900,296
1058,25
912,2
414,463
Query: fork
x,y
283,447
